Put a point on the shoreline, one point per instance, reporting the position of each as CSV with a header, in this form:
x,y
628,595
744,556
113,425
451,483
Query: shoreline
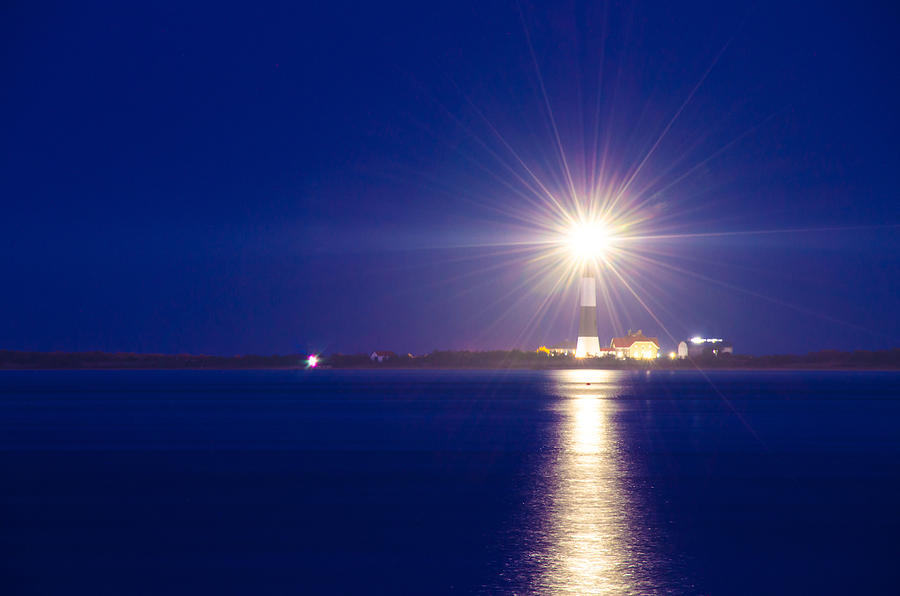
x,y
458,368
499,360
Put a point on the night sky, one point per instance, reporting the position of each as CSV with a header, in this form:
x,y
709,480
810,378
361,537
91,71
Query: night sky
x,y
340,176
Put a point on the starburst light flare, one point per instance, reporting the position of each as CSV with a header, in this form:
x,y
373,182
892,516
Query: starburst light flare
x,y
589,240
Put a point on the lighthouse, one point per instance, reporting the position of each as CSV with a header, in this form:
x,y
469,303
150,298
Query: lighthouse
x,y
588,242
588,344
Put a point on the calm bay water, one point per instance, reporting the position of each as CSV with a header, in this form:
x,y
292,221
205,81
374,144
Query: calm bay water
x,y
580,482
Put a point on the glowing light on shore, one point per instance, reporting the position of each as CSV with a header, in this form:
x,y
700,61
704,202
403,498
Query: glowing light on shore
x,y
312,361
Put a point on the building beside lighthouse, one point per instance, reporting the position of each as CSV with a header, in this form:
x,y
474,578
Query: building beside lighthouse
x,y
635,345
704,347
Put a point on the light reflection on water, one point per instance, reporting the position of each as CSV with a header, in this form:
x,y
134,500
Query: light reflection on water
x,y
591,540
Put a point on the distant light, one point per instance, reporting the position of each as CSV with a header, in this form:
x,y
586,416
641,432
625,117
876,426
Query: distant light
x,y
671,355
312,361
697,340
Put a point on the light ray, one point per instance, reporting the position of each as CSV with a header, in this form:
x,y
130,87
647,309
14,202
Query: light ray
x,y
800,309
559,143
668,127
768,231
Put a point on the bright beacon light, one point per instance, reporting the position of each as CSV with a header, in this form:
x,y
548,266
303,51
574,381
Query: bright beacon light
x,y
312,361
589,240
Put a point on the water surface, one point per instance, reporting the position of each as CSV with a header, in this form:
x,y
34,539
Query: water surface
x,y
581,482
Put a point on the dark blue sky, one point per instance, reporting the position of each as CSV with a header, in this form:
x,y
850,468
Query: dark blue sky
x,y
201,177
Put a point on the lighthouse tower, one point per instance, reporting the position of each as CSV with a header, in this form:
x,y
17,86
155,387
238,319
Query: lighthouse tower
x,y
588,340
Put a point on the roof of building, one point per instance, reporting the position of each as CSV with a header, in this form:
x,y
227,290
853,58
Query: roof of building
x,y
383,353
631,338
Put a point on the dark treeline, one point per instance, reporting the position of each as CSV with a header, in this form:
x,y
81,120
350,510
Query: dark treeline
x,y
825,359
103,360
451,359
